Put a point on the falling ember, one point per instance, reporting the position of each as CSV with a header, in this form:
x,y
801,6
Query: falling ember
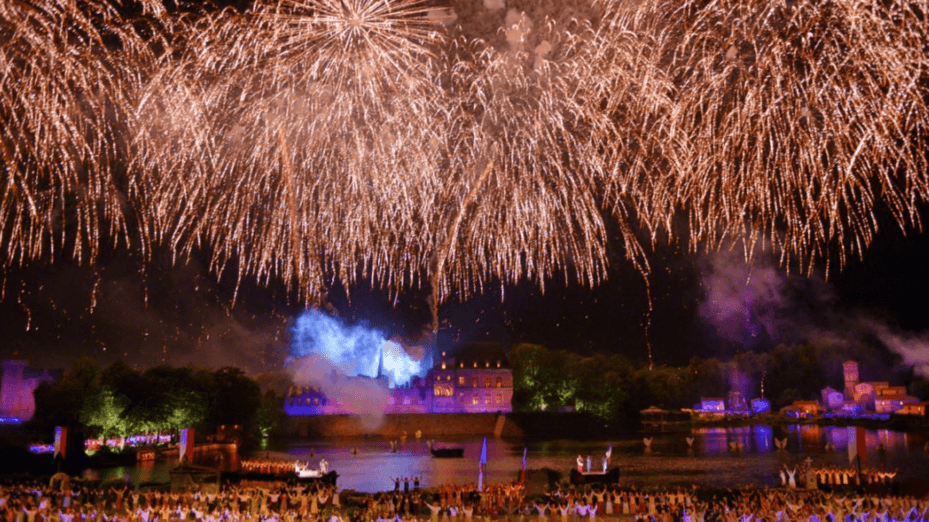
x,y
409,154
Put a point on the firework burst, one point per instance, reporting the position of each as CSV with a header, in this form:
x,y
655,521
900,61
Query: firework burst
x,y
314,141
802,120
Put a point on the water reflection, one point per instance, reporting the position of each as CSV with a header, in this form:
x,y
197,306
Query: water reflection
x,y
719,457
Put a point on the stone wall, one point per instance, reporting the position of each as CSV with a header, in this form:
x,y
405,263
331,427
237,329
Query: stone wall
x,y
433,426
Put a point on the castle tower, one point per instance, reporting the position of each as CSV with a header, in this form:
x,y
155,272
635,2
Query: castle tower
x,y
850,370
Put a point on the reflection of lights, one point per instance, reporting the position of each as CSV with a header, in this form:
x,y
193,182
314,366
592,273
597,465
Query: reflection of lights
x,y
42,448
713,440
763,437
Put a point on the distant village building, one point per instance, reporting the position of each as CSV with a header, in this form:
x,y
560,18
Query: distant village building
x,y
736,402
865,398
802,409
761,406
477,381
17,403
832,399
892,403
913,408
850,371
864,395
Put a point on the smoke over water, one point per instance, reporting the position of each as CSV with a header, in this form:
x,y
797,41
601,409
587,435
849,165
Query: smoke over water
x,y
760,306
355,350
355,365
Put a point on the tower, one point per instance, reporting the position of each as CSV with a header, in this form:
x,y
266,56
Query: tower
x,y
850,370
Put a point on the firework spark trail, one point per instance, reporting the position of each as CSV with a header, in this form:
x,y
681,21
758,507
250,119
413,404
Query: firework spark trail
x,y
62,126
314,141
321,105
803,120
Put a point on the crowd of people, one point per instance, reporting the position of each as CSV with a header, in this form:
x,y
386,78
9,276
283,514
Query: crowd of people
x,y
63,500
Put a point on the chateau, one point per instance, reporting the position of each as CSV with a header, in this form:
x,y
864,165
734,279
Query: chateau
x,y
479,381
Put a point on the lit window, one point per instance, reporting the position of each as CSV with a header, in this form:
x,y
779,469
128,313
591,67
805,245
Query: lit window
x,y
499,398
474,382
474,400
487,382
461,380
461,365
448,391
443,365
475,364
438,391
316,401
499,382
498,364
486,364
487,399
307,402
448,377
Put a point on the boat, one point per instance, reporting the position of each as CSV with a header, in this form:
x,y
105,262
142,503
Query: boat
x,y
610,476
300,472
448,453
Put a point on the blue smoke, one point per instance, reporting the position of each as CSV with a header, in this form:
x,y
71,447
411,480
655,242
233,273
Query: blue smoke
x,y
354,350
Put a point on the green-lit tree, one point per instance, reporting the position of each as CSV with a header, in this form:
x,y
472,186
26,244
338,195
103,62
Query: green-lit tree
x,y
542,379
103,411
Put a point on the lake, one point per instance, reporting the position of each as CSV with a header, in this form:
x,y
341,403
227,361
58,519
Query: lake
x,y
368,465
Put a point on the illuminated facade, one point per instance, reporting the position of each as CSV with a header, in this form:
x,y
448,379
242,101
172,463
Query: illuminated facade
x,y
474,383
471,385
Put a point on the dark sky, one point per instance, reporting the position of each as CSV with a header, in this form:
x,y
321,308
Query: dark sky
x,y
707,305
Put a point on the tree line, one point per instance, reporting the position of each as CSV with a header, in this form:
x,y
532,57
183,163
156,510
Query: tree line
x,y
120,401
612,387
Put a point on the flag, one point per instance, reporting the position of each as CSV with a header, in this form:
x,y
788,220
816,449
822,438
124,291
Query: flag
x,y
186,453
609,455
857,445
483,466
852,445
522,472
862,445
61,441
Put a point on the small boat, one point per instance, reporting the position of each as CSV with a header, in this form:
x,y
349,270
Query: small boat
x,y
448,453
611,476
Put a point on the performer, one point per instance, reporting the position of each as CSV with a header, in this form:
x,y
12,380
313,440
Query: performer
x,y
580,464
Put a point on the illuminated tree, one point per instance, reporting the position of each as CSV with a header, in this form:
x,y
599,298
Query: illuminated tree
x,y
103,410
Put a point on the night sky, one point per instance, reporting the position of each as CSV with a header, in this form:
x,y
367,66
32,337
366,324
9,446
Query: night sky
x,y
705,305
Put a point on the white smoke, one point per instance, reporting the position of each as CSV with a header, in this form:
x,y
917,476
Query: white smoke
x,y
744,303
913,348
363,396
741,300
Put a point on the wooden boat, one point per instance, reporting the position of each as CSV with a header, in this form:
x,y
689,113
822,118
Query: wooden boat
x,y
448,453
611,476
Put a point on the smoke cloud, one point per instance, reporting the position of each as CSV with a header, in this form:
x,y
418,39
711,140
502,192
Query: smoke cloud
x,y
761,306
356,350
366,398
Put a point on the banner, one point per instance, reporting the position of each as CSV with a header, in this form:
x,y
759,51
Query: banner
x,y
857,445
186,453
483,466
61,441
522,471
862,445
